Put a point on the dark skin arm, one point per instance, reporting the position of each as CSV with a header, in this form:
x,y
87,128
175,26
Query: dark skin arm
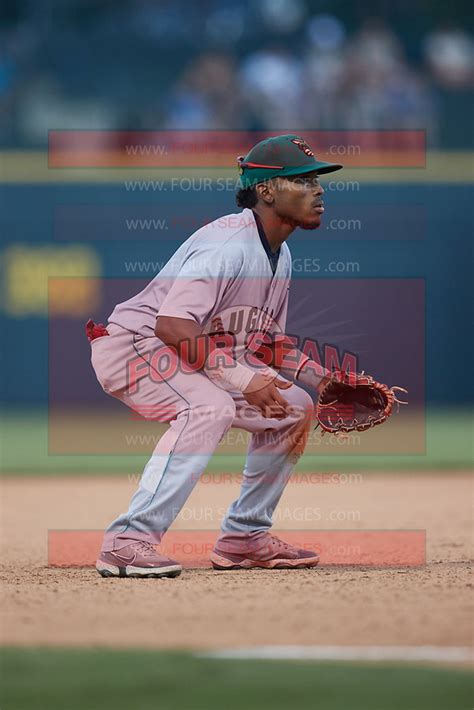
x,y
271,355
259,393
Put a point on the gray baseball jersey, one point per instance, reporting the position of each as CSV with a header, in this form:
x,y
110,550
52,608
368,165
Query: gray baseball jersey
x,y
222,271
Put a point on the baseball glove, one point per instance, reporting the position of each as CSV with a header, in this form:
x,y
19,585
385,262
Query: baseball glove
x,y
354,402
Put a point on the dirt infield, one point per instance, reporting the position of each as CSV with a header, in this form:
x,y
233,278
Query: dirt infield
x,y
428,604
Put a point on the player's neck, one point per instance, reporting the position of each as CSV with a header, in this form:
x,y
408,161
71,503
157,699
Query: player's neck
x,y
276,231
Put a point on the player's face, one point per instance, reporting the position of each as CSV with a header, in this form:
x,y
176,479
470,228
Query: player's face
x,y
298,200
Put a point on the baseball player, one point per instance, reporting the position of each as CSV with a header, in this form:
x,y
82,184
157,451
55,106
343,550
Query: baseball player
x,y
203,347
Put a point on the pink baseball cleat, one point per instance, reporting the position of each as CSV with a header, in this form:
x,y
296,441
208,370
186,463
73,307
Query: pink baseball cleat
x,y
138,559
266,552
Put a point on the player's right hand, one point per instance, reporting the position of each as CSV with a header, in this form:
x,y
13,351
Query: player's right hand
x,y
264,395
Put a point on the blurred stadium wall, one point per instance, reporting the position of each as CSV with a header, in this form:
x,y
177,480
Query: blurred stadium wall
x,y
264,66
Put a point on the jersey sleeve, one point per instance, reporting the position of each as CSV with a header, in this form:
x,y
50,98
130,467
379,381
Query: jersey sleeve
x,y
200,284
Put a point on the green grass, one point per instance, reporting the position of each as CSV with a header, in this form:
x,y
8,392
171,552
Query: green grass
x,y
25,450
40,679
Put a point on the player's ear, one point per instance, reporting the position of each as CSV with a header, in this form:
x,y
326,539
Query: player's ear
x,y
265,192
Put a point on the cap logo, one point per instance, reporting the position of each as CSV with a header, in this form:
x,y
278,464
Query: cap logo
x,y
302,145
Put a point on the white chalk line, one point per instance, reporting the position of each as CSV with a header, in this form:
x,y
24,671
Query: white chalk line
x,y
444,654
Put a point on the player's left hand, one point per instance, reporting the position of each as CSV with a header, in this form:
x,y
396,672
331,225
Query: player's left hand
x,y
264,395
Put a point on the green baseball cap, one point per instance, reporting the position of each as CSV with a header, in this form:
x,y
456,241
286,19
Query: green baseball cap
x,y
280,156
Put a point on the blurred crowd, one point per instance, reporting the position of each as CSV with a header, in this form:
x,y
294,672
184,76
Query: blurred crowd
x,y
242,64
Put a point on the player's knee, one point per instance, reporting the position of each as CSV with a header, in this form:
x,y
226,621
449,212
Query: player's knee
x,y
225,412
301,402
218,409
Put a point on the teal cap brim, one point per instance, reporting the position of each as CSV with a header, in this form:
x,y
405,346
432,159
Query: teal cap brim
x,y
253,176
